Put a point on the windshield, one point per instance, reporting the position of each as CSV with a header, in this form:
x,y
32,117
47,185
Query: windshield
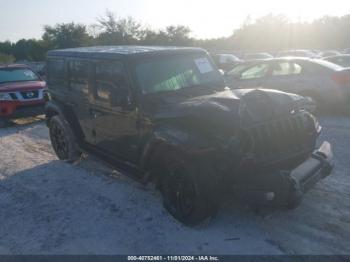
x,y
8,75
172,73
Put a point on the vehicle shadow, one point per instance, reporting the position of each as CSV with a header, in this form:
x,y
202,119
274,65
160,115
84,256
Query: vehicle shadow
x,y
86,208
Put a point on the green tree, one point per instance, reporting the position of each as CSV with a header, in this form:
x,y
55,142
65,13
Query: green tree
x,y
6,47
31,50
5,58
179,35
66,36
172,35
118,31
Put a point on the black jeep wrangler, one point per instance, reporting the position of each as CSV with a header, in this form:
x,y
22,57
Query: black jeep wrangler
x,y
163,114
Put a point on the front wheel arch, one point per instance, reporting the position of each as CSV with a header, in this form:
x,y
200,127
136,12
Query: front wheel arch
x,y
203,179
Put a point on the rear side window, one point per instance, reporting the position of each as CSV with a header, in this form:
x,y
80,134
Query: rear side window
x,y
109,76
79,75
328,65
342,61
320,66
55,72
286,68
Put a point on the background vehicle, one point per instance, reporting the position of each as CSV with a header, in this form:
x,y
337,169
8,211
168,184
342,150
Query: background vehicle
x,y
20,88
346,51
329,53
325,82
256,56
164,115
226,62
297,53
341,60
38,67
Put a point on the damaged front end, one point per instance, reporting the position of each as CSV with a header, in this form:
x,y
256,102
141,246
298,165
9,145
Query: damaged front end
x,y
262,142
285,187
280,163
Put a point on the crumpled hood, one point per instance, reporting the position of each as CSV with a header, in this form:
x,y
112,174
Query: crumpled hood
x,y
246,105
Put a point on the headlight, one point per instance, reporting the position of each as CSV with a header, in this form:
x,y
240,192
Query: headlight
x,y
318,127
312,122
5,97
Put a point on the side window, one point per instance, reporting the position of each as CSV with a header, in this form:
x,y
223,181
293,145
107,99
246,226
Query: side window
x,y
255,72
281,69
286,68
55,72
109,77
79,76
295,69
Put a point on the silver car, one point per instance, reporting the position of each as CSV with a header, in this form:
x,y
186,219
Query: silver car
x,y
327,83
297,53
342,60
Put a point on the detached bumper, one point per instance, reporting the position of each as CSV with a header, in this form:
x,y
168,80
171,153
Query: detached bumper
x,y
286,188
305,176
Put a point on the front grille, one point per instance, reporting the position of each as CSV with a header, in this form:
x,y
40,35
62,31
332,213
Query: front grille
x,y
280,138
30,94
13,96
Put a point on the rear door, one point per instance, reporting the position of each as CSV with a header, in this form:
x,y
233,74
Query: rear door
x,y
79,94
288,76
114,126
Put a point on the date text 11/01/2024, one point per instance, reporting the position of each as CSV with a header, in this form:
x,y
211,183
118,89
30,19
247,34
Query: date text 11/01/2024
x,y
173,258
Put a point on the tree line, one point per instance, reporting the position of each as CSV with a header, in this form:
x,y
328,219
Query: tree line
x,y
267,33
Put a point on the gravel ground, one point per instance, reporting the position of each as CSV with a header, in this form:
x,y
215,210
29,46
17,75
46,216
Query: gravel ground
x,y
50,207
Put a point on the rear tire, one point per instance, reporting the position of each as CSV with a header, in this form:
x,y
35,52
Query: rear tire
x,y
189,190
63,140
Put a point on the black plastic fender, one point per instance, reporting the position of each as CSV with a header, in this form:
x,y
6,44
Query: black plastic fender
x,y
53,108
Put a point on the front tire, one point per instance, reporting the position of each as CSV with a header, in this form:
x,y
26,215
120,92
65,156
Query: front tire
x,y
63,140
189,190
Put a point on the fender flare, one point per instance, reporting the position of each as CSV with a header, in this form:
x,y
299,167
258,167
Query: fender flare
x,y
162,142
154,148
53,108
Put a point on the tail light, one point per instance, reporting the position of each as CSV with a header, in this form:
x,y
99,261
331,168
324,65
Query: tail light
x,y
342,78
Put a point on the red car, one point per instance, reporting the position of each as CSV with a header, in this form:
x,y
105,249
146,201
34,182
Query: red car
x,y
20,88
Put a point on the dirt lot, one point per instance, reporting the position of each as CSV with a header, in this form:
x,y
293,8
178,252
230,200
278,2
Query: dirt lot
x,y
50,207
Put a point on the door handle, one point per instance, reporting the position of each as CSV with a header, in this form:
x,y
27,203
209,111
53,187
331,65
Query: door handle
x,y
71,104
95,113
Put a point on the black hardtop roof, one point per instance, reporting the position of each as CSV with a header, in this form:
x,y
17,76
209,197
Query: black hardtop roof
x,y
121,51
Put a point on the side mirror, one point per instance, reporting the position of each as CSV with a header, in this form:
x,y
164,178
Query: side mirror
x,y
222,72
120,97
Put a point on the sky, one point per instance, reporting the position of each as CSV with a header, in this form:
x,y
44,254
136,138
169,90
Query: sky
x,y
207,19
